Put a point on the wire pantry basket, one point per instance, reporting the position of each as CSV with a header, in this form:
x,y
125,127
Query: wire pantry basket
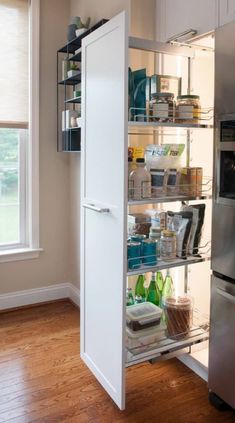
x,y
203,116
156,340
180,191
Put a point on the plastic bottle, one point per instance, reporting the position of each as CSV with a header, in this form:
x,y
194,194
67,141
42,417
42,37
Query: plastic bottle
x,y
140,181
153,295
140,290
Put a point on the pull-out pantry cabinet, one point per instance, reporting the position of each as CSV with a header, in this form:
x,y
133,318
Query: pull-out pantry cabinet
x,y
104,206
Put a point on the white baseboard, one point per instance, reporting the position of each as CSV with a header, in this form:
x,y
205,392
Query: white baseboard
x,y
40,295
74,294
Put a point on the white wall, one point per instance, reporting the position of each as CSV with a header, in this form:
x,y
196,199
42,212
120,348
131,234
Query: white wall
x,y
60,173
52,266
98,9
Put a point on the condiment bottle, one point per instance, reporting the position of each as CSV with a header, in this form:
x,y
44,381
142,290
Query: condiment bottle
x,y
140,181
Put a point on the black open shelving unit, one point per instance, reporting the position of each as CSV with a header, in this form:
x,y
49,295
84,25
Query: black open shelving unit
x,y
69,139
72,80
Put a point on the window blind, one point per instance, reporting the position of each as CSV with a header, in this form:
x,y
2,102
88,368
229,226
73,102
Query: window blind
x,y
14,66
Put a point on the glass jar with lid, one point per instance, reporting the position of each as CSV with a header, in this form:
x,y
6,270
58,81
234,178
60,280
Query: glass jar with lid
x,y
188,109
168,245
162,107
155,234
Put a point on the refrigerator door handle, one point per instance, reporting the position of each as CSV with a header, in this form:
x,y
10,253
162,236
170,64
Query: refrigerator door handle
x,y
96,209
226,295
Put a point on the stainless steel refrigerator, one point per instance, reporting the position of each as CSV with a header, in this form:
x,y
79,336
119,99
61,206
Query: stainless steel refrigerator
x,y
222,335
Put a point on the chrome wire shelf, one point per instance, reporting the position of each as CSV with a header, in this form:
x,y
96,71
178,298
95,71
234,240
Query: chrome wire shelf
x,y
155,125
161,264
164,346
169,199
140,120
180,192
200,254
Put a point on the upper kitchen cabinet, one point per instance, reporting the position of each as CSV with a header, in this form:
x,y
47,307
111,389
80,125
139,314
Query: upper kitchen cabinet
x,y
226,11
174,17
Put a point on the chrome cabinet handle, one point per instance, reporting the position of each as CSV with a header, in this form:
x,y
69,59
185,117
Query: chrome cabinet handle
x,y
183,34
226,295
96,209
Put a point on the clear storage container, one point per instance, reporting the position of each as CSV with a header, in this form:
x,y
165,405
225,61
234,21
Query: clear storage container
x,y
155,233
142,316
162,107
138,223
188,109
178,312
168,245
159,179
173,181
140,340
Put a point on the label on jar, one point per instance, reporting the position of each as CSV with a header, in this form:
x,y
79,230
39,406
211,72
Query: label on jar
x,y
171,179
159,220
185,112
157,179
161,110
168,248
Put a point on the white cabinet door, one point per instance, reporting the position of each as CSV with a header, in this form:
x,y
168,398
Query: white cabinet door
x,y
104,204
226,11
176,16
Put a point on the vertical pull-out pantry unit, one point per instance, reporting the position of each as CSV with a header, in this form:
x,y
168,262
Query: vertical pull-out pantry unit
x,y
105,206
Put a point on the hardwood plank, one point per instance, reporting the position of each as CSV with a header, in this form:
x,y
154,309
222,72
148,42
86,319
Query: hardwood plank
x,y
42,378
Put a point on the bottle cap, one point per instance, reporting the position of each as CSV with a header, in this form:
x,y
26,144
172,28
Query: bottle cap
x,y
168,233
140,160
154,95
155,230
190,96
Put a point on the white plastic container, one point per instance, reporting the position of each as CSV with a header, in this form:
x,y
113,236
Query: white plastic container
x,y
147,337
142,316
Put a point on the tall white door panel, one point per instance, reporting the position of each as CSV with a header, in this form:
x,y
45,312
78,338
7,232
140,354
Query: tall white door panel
x,y
104,208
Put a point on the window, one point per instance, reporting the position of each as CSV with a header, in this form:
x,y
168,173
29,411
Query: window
x,y
19,34
13,143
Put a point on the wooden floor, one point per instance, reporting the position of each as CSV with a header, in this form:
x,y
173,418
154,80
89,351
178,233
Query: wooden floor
x,y
42,378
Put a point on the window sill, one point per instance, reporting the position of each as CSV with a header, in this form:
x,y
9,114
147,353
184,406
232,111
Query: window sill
x,y
19,254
